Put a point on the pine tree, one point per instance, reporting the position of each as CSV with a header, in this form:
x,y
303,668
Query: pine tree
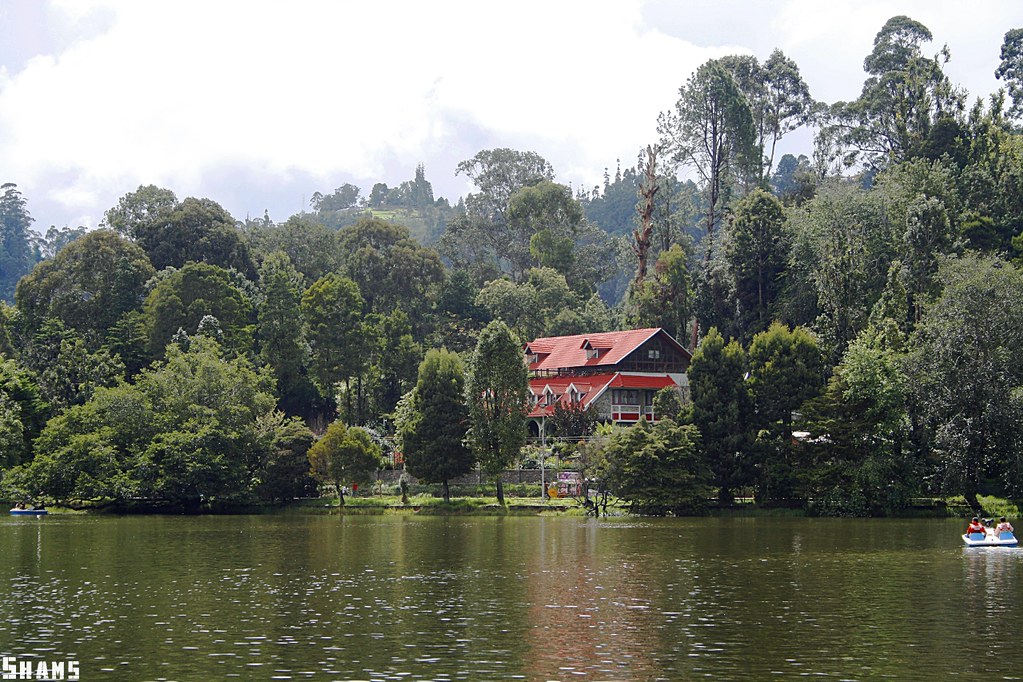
x,y
435,450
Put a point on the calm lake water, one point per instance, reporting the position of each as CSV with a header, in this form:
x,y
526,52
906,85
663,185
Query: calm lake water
x,y
304,596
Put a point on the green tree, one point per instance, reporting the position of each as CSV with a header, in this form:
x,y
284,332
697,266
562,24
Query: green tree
x,y
195,230
968,374
417,193
312,247
855,461
842,243
391,269
55,240
466,244
138,213
88,286
667,300
497,393
457,319
394,361
484,241
788,106
344,197
542,219
1010,69
793,181
282,473
711,131
435,448
786,370
279,333
905,96
498,174
68,372
778,99
87,453
12,433
187,432
517,305
23,413
344,455
669,402
182,298
333,312
207,411
658,469
16,254
723,411
757,252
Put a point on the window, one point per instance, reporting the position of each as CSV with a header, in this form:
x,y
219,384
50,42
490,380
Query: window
x,y
592,353
654,354
624,396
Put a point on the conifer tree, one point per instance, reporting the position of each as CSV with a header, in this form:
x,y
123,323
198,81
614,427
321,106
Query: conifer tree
x,y
497,393
435,450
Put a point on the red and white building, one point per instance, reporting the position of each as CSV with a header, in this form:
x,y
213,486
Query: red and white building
x,y
615,374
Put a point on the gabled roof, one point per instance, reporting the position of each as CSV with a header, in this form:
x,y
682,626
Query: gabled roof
x,y
563,352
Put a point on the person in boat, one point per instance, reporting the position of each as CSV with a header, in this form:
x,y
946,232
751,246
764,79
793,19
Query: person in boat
x,y
975,527
1003,526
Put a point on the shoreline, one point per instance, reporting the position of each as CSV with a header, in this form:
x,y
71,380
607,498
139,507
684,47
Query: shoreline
x,y
477,506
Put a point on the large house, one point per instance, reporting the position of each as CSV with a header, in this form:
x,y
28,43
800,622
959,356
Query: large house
x,y
615,374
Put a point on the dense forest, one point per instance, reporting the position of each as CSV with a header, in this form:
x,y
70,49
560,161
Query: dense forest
x,y
855,312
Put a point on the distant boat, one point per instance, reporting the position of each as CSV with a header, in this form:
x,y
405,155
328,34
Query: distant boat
x,y
18,511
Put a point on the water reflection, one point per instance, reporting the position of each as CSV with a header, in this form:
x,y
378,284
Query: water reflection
x,y
310,597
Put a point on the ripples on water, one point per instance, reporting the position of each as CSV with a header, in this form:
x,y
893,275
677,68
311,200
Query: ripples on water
x,y
409,598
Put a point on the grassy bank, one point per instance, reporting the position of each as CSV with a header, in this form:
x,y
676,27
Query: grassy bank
x,y
483,502
428,504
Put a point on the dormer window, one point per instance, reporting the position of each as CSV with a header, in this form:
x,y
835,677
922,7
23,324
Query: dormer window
x,y
591,352
549,397
532,358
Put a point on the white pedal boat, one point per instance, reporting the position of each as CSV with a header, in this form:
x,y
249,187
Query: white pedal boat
x,y
1004,539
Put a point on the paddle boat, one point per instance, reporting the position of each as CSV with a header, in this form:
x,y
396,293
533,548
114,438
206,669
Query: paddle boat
x,y
24,511
990,539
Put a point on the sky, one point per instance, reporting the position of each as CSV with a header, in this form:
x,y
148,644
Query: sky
x,y
258,104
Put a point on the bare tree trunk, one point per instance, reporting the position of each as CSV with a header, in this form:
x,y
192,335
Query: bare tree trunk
x,y
641,234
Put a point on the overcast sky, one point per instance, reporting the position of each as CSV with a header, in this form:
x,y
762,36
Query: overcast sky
x,y
258,104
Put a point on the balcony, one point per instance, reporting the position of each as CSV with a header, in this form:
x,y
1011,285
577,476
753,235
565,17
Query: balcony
x,y
631,413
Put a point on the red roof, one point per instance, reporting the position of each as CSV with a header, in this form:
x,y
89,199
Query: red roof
x,y
563,352
591,387
642,381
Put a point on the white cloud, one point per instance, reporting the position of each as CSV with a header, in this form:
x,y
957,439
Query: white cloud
x,y
179,94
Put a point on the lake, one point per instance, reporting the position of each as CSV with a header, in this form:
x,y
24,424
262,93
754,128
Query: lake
x,y
406,597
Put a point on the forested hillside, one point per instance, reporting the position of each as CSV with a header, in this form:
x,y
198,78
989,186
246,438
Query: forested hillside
x,y
855,310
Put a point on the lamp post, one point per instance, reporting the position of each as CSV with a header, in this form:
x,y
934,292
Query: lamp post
x,y
543,456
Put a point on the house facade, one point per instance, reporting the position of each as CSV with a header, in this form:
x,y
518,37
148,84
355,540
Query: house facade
x,y
614,374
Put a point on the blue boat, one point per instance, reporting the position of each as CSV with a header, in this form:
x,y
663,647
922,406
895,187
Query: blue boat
x,y
28,512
